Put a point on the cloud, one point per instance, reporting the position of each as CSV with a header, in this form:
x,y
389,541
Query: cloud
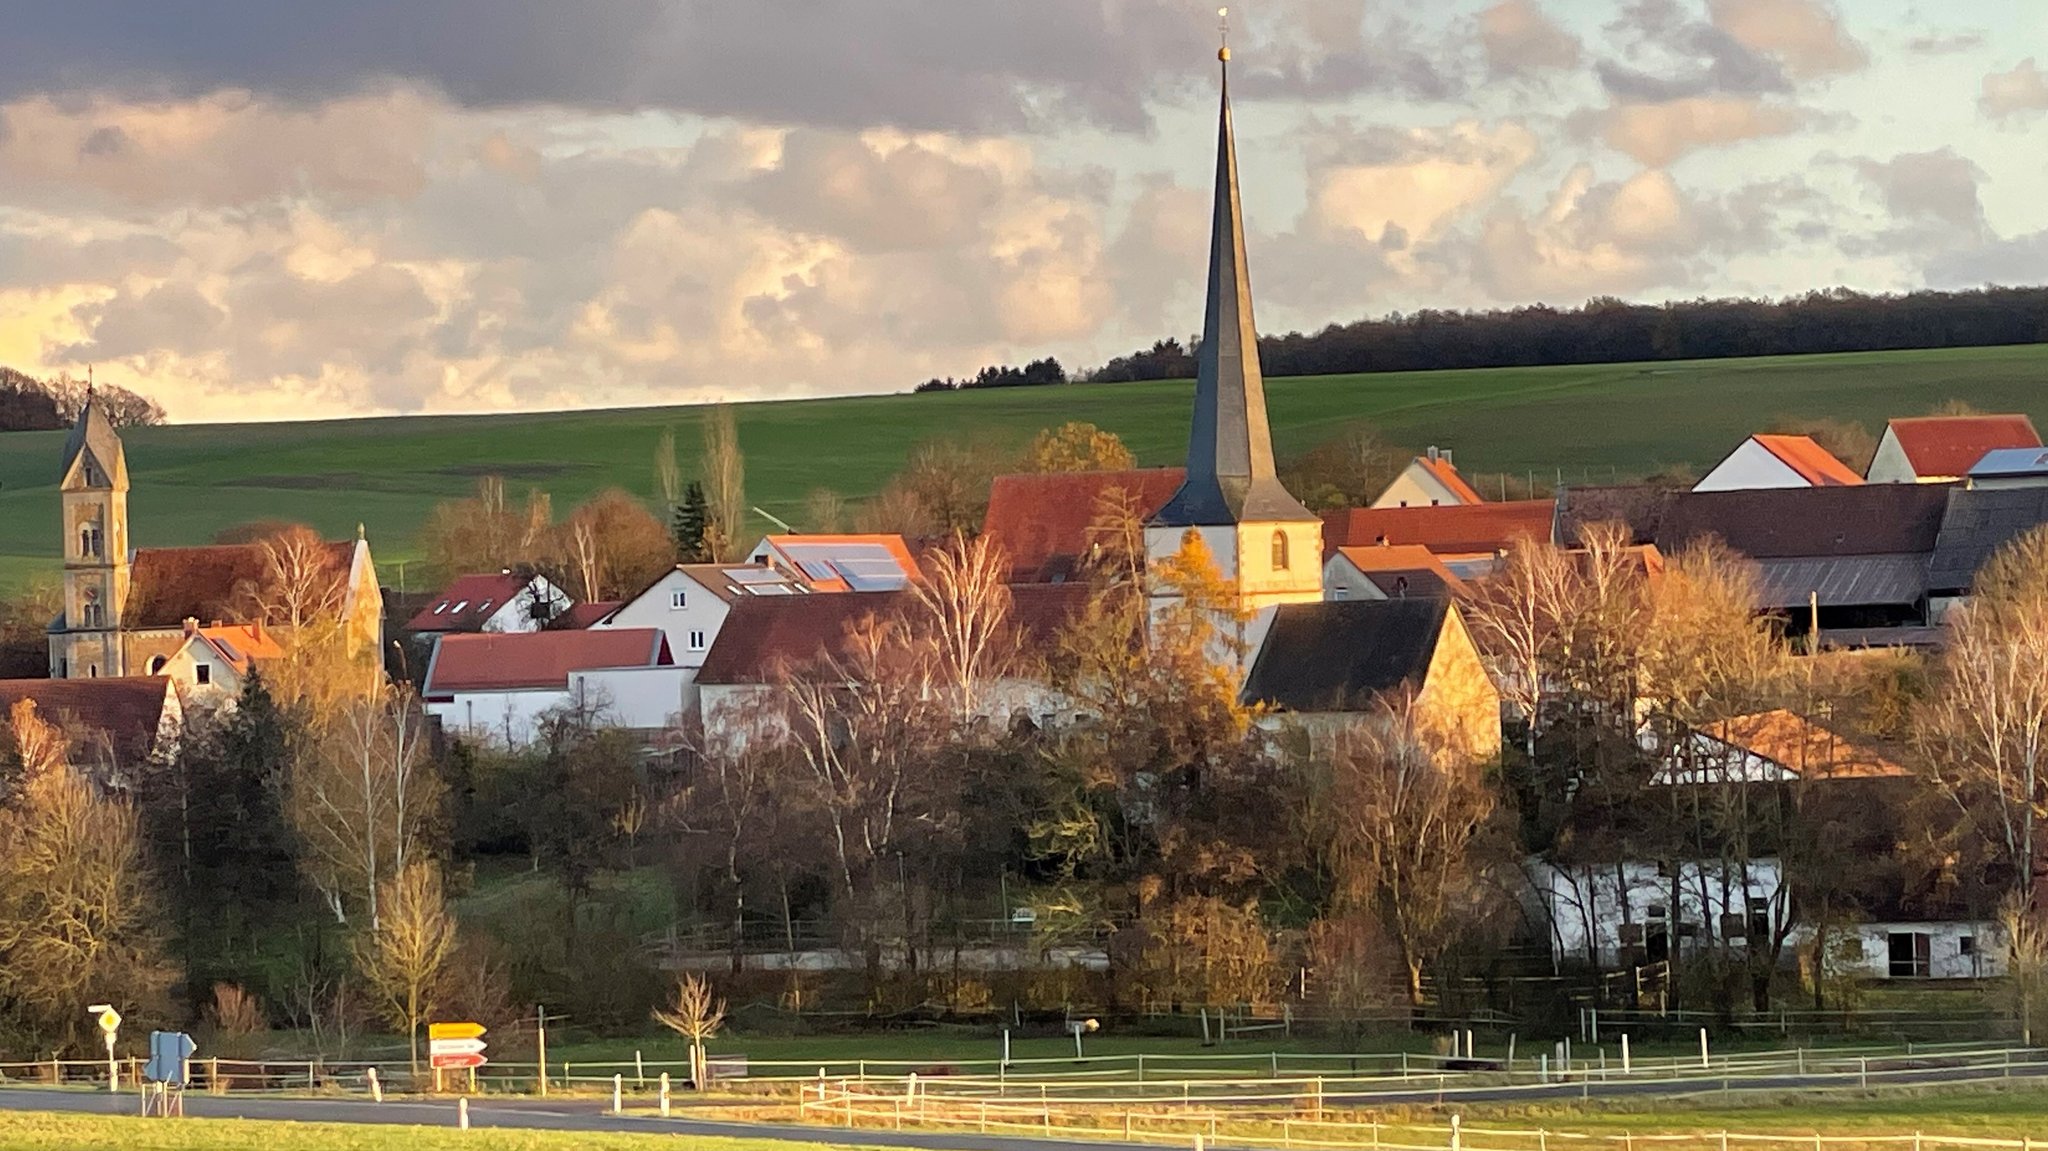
x,y
1918,188
2020,92
1944,43
1656,135
1807,35
1395,188
1520,39
1670,55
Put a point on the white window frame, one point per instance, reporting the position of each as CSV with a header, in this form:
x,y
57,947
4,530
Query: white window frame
x,y
697,641
678,599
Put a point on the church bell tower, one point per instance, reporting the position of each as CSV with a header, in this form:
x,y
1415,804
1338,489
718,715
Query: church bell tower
x,y
94,488
1267,546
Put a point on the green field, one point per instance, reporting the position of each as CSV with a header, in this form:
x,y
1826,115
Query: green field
x,y
1580,423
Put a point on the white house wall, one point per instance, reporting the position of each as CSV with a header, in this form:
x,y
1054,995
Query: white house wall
x,y
701,613
505,717
636,697
1583,903
1748,468
1889,465
1342,581
1417,487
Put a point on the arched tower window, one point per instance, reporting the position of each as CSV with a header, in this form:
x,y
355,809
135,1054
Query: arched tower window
x,y
1279,551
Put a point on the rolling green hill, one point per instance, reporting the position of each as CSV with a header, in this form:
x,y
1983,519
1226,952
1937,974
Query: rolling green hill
x,y
1583,422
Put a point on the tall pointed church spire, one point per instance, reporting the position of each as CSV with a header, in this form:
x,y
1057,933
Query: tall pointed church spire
x,y
1230,475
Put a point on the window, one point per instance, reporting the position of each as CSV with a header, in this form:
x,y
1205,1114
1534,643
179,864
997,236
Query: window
x,y
696,641
1909,955
459,605
203,673
1759,917
1279,551
440,607
156,665
1967,945
92,671
89,542
678,600
1340,592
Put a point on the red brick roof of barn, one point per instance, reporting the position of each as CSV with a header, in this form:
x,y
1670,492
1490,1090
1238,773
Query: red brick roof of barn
x,y
1939,446
513,661
1470,529
1041,519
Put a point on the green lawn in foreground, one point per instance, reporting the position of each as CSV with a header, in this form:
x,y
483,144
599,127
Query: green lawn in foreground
x,y
1586,422
35,1131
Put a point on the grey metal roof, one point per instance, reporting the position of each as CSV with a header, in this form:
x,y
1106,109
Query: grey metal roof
x,y
1844,581
1977,523
1230,476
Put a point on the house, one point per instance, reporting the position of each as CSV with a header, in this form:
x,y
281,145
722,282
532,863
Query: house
x,y
119,725
499,685
215,661
1324,667
1774,746
1469,539
1388,571
839,563
2010,468
767,639
1859,553
1772,461
1942,449
125,608
1430,480
689,604
1049,523
500,601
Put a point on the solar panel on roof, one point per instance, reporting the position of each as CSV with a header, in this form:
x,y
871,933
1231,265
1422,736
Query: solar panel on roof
x,y
817,569
753,575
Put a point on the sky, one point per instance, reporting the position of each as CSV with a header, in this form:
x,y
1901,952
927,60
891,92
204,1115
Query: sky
x,y
281,209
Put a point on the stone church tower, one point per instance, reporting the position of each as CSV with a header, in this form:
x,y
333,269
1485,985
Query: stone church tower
x,y
1267,546
94,489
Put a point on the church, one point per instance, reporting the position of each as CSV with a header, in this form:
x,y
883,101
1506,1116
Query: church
x,y
194,613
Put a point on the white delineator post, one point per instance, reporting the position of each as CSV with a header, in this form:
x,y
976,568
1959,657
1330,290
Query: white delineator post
x,y
1624,1054
1706,1064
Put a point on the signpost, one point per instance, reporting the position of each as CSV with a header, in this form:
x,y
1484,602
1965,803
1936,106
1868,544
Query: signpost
x,y
170,1054
455,1046
110,1027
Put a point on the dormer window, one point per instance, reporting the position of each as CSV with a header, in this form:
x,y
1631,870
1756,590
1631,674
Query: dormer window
x,y
1279,551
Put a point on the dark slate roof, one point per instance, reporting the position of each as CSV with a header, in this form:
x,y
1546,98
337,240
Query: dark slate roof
x,y
1842,581
1781,523
1341,656
1977,523
1230,477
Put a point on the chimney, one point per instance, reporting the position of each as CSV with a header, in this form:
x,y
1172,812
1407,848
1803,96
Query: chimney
x,y
256,629
191,626
1447,457
1432,453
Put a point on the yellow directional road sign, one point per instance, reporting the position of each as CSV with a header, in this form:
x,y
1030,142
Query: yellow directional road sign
x,y
455,1030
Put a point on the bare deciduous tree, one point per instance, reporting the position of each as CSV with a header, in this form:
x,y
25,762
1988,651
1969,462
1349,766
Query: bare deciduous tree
x,y
964,617
696,1016
725,483
402,954
362,797
1409,821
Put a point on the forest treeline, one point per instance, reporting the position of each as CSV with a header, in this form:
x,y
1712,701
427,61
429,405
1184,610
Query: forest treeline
x,y
1608,331
28,404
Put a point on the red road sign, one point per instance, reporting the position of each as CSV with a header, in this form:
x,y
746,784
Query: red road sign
x,y
466,1059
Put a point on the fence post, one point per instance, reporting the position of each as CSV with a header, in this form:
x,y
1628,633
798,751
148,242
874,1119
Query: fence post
x,y
618,1094
639,1071
376,1088
1705,1063
1286,1131
1141,1066
984,1118
1862,1071
1127,1121
664,1094
1319,1099
1455,1133
1276,1065
213,1075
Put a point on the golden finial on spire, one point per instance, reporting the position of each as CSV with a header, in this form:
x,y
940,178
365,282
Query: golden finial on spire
x,y
1223,33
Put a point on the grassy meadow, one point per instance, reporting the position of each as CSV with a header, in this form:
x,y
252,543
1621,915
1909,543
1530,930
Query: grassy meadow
x,y
1580,422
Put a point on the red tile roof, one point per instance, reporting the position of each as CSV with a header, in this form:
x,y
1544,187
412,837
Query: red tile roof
x,y
765,636
1813,463
512,661
1041,519
172,585
1469,530
1446,474
465,604
585,615
128,710
1803,747
1939,446
241,645
1403,569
